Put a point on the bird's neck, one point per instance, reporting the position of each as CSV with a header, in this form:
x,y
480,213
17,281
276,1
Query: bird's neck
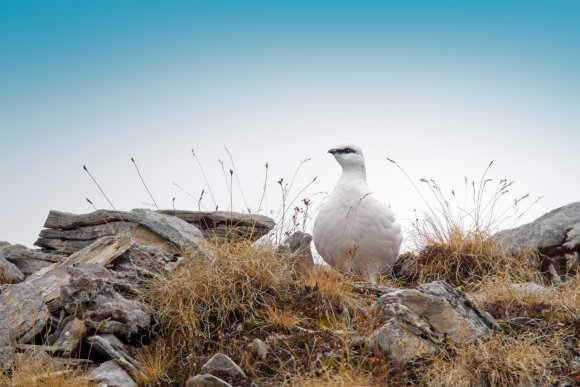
x,y
357,175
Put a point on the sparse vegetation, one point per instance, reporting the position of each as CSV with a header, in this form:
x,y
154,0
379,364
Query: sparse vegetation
x,y
33,369
314,320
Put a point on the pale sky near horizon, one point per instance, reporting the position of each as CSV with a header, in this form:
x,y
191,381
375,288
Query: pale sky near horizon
x,y
441,87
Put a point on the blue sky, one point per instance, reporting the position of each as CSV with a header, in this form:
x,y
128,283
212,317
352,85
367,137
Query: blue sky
x,y
443,87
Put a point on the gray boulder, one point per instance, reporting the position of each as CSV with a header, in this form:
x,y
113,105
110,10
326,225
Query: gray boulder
x,y
555,235
403,335
414,321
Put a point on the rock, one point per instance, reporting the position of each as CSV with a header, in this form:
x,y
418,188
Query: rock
x,y
9,273
26,260
552,233
403,335
111,374
70,336
297,251
92,296
23,315
67,233
175,230
446,309
112,348
221,364
206,380
226,224
555,235
414,321
50,279
259,349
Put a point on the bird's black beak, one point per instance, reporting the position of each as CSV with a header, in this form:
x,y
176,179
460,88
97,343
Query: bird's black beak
x,y
333,151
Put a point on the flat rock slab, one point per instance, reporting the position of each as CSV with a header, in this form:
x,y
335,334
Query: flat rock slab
x,y
68,233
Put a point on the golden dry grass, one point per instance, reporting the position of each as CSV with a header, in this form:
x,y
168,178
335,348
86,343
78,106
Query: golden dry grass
x,y
155,360
36,369
249,284
200,296
565,297
497,360
468,265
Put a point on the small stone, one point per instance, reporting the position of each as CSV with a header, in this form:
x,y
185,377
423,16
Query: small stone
x,y
222,364
206,380
259,348
111,374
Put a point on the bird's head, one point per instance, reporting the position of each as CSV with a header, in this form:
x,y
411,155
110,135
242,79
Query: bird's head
x,y
349,156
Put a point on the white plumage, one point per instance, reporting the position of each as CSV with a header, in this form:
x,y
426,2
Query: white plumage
x,y
354,230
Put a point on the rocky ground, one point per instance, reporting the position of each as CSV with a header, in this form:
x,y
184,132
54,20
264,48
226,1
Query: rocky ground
x,y
190,298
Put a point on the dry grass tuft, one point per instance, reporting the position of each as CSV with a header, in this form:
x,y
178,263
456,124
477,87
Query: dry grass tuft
x,y
334,378
34,369
467,265
453,240
336,300
155,360
281,318
199,297
249,284
498,360
564,296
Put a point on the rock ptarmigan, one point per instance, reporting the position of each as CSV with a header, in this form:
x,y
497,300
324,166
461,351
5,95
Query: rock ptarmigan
x,y
354,230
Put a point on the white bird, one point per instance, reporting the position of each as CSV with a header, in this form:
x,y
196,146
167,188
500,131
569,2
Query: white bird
x,y
354,230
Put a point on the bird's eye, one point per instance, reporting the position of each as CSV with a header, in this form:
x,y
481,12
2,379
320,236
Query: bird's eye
x,y
348,150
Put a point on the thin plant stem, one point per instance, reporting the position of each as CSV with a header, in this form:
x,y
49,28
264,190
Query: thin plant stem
x,y
143,181
98,186
205,178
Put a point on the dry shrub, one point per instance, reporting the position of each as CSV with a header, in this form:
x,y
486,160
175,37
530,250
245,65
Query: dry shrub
x,y
467,264
497,360
33,369
453,240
